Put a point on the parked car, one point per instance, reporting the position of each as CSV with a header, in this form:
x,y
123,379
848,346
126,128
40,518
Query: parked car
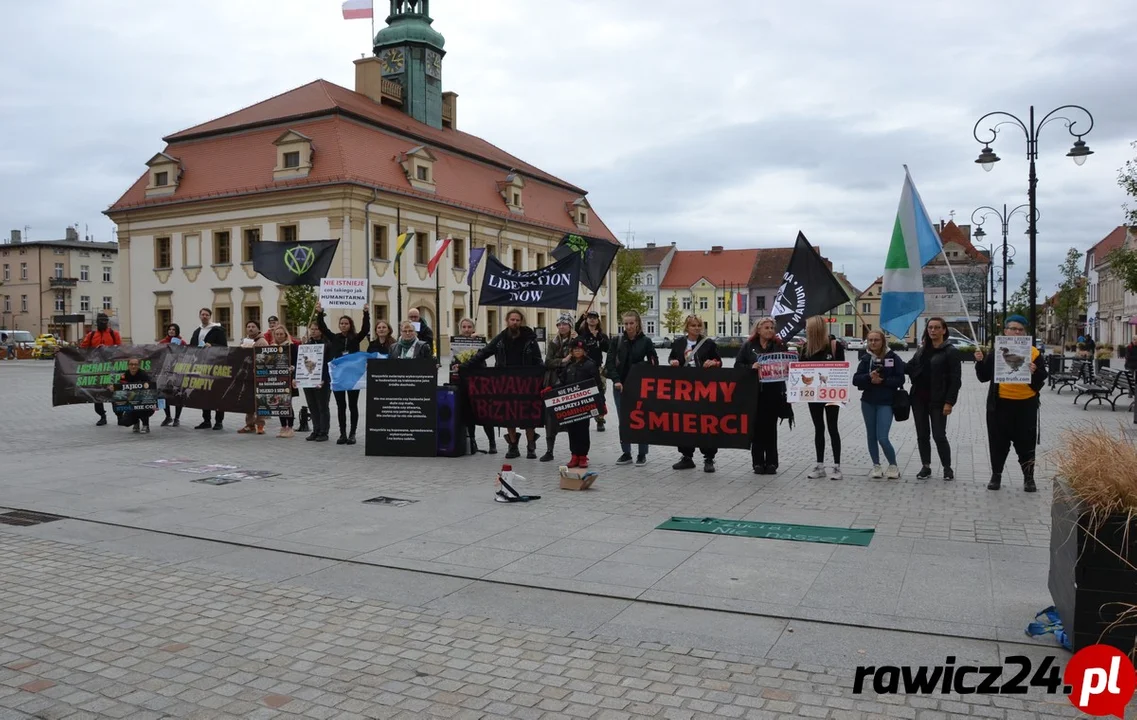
x,y
663,342
853,343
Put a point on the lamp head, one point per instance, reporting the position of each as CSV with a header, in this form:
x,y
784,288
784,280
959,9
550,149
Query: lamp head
x,y
1079,152
987,158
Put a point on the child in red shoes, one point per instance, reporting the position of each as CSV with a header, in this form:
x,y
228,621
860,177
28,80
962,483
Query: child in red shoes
x,y
579,369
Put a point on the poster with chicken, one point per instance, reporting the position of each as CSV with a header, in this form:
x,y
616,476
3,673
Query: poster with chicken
x,y
309,365
819,382
1012,359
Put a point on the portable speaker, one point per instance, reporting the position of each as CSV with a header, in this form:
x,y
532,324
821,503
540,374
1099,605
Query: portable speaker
x,y
451,431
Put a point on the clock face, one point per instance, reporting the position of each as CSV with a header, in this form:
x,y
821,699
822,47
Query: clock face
x,y
434,64
392,61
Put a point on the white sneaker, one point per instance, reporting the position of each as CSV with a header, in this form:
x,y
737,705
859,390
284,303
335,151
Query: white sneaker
x,y
893,473
877,472
817,472
835,473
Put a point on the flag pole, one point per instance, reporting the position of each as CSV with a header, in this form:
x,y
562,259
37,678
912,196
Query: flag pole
x,y
470,278
962,302
398,264
437,297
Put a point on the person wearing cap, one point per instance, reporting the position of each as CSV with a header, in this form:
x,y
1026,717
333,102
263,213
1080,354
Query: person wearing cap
x,y
556,358
579,368
1012,410
596,343
695,350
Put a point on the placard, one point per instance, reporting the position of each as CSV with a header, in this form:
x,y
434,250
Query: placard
x,y
823,382
343,293
309,365
574,403
272,381
681,406
775,367
460,344
134,397
1012,359
506,396
402,408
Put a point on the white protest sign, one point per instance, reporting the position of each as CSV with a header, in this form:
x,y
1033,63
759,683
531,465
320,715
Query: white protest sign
x,y
309,365
825,382
1012,359
343,293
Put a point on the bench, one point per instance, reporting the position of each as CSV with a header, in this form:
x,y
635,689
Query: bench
x,y
1079,373
1110,386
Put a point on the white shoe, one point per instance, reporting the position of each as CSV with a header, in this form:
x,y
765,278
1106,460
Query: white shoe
x,y
877,472
817,472
893,473
835,473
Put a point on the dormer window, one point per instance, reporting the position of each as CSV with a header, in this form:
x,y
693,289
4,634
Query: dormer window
x,y
512,190
294,153
578,211
164,173
418,166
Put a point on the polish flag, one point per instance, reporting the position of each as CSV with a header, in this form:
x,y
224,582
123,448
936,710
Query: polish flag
x,y
357,9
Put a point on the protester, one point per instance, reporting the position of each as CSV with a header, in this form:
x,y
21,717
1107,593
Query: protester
x,y
596,342
557,352
1012,410
101,336
632,348
1131,357
345,342
515,346
410,346
384,340
820,346
695,350
173,337
319,398
771,404
936,375
273,321
579,368
210,334
281,338
254,422
135,374
879,375
8,342
467,329
421,328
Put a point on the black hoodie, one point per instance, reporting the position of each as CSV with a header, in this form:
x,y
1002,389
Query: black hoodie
x,y
509,351
337,344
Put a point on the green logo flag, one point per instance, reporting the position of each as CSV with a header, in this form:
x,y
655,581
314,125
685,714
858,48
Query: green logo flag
x,y
295,263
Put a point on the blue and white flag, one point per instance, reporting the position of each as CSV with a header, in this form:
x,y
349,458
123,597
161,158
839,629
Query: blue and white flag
x,y
349,372
915,243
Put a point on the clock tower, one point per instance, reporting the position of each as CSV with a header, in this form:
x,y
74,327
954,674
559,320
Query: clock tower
x,y
410,54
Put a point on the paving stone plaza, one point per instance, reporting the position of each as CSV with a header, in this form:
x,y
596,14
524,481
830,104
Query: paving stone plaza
x,y
157,596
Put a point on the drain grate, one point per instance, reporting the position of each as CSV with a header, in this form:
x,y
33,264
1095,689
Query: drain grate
x,y
218,480
25,518
384,500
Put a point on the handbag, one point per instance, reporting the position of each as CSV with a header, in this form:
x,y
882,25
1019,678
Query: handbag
x,y
901,405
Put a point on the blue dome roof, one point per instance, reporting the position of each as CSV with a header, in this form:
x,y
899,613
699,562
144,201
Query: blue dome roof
x,y
410,30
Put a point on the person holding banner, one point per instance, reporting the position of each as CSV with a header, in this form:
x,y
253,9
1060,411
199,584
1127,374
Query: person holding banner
x,y
557,352
282,338
937,376
632,348
1012,410
579,368
135,374
344,342
698,351
254,423
597,343
467,329
879,375
173,337
410,346
769,357
819,347
319,398
210,334
101,336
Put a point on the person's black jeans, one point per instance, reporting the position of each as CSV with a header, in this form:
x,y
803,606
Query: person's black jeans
x,y
319,402
931,423
822,416
708,453
205,414
580,442
177,411
343,405
764,438
101,410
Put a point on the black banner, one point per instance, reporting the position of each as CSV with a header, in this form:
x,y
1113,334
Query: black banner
x,y
808,288
296,263
402,408
596,254
272,381
679,406
217,378
506,397
134,397
577,402
553,286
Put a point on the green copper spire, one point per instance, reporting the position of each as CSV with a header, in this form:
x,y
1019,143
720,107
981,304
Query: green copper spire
x,y
411,53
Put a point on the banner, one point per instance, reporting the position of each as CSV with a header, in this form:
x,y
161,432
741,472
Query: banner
x,y
273,381
679,406
216,378
402,408
309,365
1012,359
574,403
349,372
134,397
343,293
553,286
825,382
808,288
506,397
775,367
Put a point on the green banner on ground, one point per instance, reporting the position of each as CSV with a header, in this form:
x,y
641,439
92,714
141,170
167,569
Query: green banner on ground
x,y
772,531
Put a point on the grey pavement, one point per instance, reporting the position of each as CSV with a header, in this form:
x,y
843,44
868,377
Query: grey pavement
x,y
952,569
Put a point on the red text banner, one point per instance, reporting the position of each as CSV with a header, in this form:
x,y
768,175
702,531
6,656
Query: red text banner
x,y
679,406
506,397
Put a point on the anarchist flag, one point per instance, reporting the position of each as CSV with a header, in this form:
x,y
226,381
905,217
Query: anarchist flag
x,y
596,255
296,263
808,288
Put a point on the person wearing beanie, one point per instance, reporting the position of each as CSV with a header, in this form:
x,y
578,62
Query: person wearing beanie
x,y
579,368
557,352
1012,410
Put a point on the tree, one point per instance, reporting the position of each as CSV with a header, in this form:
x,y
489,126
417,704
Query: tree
x,y
1070,300
1127,179
1019,302
299,306
1123,260
628,269
673,318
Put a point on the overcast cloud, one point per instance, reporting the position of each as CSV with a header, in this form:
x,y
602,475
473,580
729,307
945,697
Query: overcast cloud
x,y
721,122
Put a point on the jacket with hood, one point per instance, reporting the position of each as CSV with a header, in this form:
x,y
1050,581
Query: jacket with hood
x,y
212,334
339,345
937,374
773,393
499,349
595,344
557,350
628,353
891,370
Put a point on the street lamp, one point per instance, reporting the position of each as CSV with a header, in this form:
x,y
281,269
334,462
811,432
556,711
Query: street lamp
x,y
985,211
987,159
989,292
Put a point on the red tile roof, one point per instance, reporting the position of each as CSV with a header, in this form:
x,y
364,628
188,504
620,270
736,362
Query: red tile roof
x,y
355,141
952,233
652,256
719,267
1108,244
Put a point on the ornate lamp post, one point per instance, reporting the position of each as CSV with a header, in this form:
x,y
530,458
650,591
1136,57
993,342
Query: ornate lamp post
x,y
1008,251
987,159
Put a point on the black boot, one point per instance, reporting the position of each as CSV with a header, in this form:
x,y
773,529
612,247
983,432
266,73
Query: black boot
x,y
343,437
531,451
548,456
351,435
1028,477
304,415
996,481
512,452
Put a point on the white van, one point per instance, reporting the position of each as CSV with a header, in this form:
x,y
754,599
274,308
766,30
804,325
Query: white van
x,y
22,338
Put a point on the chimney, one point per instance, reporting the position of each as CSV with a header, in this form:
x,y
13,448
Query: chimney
x,y
450,110
716,248
672,243
651,245
16,237
72,234
369,78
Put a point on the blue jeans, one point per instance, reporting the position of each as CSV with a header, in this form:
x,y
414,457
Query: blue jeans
x,y
625,446
878,421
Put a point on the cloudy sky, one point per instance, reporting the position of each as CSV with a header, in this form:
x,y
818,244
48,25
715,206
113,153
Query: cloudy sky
x,y
720,122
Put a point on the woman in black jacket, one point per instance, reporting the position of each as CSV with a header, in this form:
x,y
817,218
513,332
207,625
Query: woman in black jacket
x,y
318,398
631,349
695,350
344,342
936,373
766,354
579,369
596,343
819,347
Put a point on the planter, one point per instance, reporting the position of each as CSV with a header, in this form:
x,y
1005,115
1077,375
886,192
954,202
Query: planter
x,y
1099,364
1092,586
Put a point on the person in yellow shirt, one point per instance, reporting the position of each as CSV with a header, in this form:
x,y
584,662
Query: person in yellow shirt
x,y
1012,411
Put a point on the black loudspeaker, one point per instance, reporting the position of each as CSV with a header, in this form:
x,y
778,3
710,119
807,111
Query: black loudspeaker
x,y
451,435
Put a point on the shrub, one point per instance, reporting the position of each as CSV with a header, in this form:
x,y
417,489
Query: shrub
x,y
896,345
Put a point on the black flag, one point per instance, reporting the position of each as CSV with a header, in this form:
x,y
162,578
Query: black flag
x,y
294,263
596,253
808,288
553,286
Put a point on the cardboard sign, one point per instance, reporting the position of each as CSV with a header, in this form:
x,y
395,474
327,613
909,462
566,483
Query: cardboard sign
x,y
574,403
681,407
819,382
309,366
343,293
1012,359
507,396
